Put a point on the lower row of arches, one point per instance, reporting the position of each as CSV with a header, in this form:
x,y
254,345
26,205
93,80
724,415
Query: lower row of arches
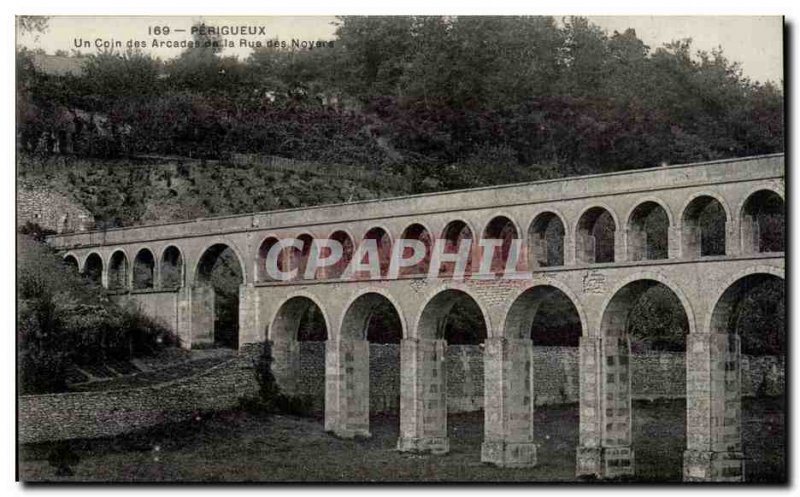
x,y
643,315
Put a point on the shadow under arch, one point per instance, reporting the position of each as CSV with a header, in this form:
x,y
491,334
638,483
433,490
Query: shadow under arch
x,y
716,449
762,217
705,218
614,371
119,270
453,235
520,313
172,268
427,367
293,354
504,228
144,267
432,321
208,257
218,277
371,332
93,267
547,234
546,315
358,309
647,230
70,261
595,234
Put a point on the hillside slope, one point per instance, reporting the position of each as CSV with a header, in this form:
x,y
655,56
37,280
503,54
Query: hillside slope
x,y
125,192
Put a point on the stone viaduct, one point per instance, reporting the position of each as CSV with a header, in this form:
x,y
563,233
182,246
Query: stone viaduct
x,y
587,237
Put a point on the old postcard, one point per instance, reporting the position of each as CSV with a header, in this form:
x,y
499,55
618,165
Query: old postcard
x,y
401,249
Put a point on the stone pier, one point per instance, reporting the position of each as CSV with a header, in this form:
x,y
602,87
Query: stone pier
x,y
423,396
347,388
713,409
508,403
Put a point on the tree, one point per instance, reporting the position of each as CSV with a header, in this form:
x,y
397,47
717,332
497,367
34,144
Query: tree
x,y
114,76
374,53
32,24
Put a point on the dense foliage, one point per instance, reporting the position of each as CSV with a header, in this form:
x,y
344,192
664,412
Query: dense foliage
x,y
443,96
64,319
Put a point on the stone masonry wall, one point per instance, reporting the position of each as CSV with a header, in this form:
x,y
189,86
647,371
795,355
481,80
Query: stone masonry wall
x,y
51,210
654,375
108,413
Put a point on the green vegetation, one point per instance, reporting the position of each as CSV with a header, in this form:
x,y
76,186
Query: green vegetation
x,y
435,99
63,318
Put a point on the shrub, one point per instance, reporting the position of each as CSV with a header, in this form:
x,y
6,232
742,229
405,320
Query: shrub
x,y
42,360
35,231
62,319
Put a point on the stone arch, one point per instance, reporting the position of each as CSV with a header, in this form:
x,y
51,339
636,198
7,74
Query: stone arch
x,y
715,412
118,270
424,382
658,278
209,254
547,236
420,231
614,371
346,328
171,269
346,239
698,240
286,318
773,188
646,237
595,234
518,318
762,217
707,193
656,200
264,247
384,242
710,324
288,348
219,275
71,262
431,320
501,227
93,267
452,235
144,266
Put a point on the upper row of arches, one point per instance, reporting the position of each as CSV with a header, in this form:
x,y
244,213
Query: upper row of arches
x,y
703,229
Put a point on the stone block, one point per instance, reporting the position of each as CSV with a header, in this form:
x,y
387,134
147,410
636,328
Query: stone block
x,y
708,466
509,454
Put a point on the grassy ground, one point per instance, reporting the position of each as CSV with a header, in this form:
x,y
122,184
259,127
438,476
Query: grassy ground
x,y
236,446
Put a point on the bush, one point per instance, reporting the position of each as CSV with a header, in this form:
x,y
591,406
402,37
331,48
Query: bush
x,y
35,231
42,360
62,319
